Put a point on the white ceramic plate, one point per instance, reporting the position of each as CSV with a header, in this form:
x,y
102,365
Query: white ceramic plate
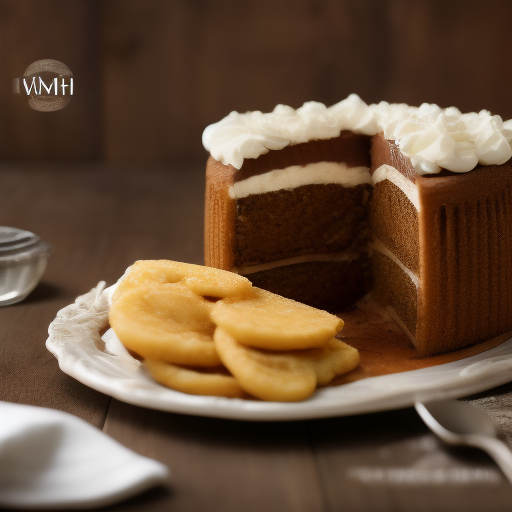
x,y
104,365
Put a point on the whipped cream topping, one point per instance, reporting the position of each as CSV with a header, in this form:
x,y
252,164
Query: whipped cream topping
x,y
249,135
296,176
435,138
432,137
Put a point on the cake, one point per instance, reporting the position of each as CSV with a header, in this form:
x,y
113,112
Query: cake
x,y
414,204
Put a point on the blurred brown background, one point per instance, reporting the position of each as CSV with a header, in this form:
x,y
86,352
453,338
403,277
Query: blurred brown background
x,y
151,74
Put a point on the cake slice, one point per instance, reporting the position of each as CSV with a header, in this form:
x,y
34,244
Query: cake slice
x,y
441,249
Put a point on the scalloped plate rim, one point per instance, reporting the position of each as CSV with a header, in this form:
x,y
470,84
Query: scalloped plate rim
x,y
461,378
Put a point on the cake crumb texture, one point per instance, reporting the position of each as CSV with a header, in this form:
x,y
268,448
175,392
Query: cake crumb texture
x,y
394,221
303,220
393,287
318,283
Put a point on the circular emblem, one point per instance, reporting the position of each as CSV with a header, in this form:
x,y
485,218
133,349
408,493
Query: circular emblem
x,y
48,83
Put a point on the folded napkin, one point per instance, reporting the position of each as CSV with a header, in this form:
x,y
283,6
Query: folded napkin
x,y
51,459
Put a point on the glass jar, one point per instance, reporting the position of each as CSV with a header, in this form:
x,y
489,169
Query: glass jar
x,y
23,257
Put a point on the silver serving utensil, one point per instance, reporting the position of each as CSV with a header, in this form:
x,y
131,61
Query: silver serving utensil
x,y
460,423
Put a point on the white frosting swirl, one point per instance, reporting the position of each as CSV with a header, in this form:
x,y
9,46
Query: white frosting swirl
x,y
432,137
249,135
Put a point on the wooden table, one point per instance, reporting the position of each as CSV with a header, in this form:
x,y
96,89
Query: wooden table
x,y
99,220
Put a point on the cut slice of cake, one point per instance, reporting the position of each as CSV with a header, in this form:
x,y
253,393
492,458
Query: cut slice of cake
x,y
288,206
441,250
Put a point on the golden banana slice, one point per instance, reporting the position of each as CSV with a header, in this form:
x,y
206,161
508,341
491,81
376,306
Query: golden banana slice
x,y
167,322
269,376
204,281
269,321
195,381
283,376
335,358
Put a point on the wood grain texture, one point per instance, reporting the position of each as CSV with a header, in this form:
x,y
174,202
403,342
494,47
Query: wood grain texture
x,y
171,68
449,53
151,75
91,216
388,463
67,31
224,465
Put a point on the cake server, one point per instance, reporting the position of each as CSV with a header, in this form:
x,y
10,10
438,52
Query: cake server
x,y
462,424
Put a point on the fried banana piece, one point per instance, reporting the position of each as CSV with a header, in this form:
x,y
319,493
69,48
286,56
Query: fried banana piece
x,y
283,376
335,358
166,322
269,321
195,381
204,281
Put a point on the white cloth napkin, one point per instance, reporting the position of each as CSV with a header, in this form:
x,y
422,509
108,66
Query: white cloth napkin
x,y
51,459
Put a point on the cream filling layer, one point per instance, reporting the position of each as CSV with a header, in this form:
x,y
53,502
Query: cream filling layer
x,y
394,315
317,173
305,258
387,172
378,246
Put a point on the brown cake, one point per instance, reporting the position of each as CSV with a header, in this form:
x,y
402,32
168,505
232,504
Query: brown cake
x,y
322,204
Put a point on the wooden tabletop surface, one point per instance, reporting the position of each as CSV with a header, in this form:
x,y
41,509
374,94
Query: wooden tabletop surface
x,y
100,219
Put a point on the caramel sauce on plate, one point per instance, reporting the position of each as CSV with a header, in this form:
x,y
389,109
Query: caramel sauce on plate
x,y
384,348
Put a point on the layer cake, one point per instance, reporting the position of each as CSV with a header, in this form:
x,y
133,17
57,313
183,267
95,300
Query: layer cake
x,y
322,204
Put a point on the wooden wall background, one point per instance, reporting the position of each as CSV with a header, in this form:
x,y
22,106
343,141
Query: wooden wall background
x,y
151,74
